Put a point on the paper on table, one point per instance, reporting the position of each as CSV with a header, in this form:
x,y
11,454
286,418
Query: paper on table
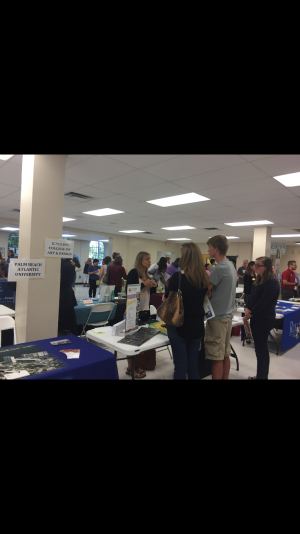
x,y
16,374
208,310
71,353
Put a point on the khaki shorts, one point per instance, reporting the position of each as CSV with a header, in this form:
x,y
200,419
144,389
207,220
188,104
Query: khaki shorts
x,y
217,339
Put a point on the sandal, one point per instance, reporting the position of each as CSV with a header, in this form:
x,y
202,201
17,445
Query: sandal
x,y
138,373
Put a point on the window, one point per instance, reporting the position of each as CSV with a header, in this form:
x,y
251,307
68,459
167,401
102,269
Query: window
x,y
96,250
13,241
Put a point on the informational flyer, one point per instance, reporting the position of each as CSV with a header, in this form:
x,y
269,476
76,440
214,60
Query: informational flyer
x,y
25,268
208,309
59,248
133,294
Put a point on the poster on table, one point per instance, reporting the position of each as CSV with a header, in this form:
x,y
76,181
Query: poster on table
x,y
132,307
7,296
25,268
59,248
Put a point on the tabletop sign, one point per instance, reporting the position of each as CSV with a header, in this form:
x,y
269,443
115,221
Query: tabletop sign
x,y
59,248
25,268
133,295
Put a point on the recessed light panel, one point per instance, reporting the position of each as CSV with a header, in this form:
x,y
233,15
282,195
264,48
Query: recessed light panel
x,y
132,231
289,180
286,235
68,235
231,237
11,229
65,219
179,239
188,198
103,212
4,157
179,228
249,223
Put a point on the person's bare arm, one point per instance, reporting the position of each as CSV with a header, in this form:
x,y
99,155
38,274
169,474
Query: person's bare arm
x,y
210,286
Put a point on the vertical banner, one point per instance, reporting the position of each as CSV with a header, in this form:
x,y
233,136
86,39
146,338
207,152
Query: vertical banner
x,y
133,296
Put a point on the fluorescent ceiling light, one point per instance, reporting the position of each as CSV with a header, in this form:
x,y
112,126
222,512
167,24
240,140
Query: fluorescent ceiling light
x,y
179,239
289,180
68,235
65,219
249,223
286,235
179,228
188,198
231,237
2,156
9,228
297,243
132,231
103,212
104,240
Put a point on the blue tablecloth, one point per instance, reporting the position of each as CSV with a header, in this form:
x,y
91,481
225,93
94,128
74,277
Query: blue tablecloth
x,y
291,323
82,313
7,296
94,362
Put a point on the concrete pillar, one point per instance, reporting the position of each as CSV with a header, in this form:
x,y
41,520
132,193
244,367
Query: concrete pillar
x,y
41,213
261,241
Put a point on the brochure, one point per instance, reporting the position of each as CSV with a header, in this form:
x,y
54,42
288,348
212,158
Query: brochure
x,y
208,309
30,358
60,342
71,353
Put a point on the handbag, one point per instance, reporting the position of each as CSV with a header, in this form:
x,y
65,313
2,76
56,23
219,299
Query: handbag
x,y
171,310
146,360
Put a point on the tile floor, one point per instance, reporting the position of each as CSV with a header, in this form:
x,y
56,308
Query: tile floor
x,y
284,366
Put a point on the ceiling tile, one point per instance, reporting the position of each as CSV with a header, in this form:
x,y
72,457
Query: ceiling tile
x,y
185,166
8,190
196,208
277,165
72,186
141,160
244,188
251,157
230,175
74,159
96,169
163,190
259,196
130,182
9,202
10,174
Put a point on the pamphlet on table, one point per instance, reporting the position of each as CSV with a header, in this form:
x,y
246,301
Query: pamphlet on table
x,y
132,306
30,358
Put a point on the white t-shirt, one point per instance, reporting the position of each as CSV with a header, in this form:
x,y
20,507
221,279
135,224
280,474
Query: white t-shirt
x,y
157,276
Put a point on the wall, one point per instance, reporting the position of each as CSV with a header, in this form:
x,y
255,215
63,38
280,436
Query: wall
x,y
292,252
242,250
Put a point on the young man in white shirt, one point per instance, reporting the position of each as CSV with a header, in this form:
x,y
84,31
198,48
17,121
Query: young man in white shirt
x,y
221,292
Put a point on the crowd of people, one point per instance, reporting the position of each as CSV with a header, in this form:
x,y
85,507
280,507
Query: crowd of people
x,y
216,280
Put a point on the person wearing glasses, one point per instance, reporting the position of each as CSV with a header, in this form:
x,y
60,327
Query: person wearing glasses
x,y
261,312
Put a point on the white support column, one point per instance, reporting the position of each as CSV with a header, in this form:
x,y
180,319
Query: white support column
x,y
41,213
261,241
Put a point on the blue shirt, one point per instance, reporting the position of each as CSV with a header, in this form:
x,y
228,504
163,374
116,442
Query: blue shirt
x,y
91,269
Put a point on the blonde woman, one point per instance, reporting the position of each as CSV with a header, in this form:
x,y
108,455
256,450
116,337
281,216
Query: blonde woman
x,y
186,339
139,275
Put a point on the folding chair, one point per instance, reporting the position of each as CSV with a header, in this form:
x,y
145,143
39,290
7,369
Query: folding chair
x,y
6,323
97,309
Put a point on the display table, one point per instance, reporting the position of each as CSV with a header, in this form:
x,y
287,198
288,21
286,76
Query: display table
x,y
82,312
160,340
7,296
94,362
291,323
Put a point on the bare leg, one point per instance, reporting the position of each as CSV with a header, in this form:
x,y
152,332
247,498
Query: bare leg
x,y
226,368
217,369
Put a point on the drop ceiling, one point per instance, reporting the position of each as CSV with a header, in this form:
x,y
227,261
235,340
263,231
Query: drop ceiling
x,y
241,188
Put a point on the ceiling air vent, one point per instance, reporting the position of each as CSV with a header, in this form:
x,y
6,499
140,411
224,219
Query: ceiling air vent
x,y
16,210
148,232
297,230
211,228
78,195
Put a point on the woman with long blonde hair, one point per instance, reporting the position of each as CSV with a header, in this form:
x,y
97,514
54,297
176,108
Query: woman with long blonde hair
x,y
139,275
186,339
